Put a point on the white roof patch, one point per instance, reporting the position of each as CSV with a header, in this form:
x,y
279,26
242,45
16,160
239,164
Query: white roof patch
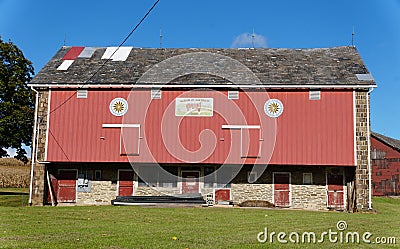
x,y
65,65
118,54
87,52
366,76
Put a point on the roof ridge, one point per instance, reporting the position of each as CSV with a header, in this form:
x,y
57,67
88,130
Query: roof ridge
x,y
395,143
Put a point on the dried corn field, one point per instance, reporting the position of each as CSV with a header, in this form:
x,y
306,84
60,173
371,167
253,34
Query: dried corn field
x,y
13,173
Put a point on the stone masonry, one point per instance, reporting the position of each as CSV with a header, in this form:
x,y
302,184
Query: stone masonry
x,y
362,138
39,174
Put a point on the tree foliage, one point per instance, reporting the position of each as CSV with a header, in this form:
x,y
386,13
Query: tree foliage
x,y
16,100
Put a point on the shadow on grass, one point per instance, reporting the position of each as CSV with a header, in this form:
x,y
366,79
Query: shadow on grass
x,y
13,193
13,197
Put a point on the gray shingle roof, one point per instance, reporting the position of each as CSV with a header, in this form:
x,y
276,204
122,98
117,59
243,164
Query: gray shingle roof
x,y
394,143
319,66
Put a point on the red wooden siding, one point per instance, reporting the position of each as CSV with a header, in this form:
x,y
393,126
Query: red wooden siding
x,y
309,132
385,169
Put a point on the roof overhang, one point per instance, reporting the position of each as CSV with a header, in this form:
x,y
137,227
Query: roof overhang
x,y
148,86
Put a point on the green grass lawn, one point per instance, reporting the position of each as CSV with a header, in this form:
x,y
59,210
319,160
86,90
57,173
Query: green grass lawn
x,y
151,227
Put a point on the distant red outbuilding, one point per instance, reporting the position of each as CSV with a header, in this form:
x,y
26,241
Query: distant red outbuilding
x,y
385,165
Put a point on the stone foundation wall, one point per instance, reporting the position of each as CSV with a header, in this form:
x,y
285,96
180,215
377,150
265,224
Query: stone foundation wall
x,y
243,192
102,192
303,196
39,181
309,196
312,196
146,191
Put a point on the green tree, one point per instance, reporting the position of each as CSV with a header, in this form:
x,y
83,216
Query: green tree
x,y
16,100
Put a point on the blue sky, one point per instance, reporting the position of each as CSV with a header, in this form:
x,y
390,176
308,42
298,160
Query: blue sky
x,y
39,28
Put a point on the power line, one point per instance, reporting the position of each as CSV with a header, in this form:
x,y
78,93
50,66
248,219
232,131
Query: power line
x,y
59,145
102,65
96,72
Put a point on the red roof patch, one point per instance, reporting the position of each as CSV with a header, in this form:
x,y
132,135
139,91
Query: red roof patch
x,y
73,53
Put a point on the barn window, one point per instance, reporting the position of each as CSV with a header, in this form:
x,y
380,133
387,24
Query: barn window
x,y
97,175
307,178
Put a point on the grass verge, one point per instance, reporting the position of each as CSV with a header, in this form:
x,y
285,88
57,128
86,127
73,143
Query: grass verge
x,y
138,227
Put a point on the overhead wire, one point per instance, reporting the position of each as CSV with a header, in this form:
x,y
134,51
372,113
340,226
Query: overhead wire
x,y
96,72
108,59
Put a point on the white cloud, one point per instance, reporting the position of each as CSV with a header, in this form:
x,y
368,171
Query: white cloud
x,y
11,152
246,40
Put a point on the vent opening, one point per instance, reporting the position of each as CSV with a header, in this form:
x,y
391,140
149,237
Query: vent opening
x,y
155,93
315,95
233,94
81,94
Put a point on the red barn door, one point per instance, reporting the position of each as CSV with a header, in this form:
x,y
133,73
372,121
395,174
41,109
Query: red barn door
x,y
223,194
125,182
53,188
67,185
282,189
190,182
335,190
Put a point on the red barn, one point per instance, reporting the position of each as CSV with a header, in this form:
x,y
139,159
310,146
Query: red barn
x,y
288,126
385,165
